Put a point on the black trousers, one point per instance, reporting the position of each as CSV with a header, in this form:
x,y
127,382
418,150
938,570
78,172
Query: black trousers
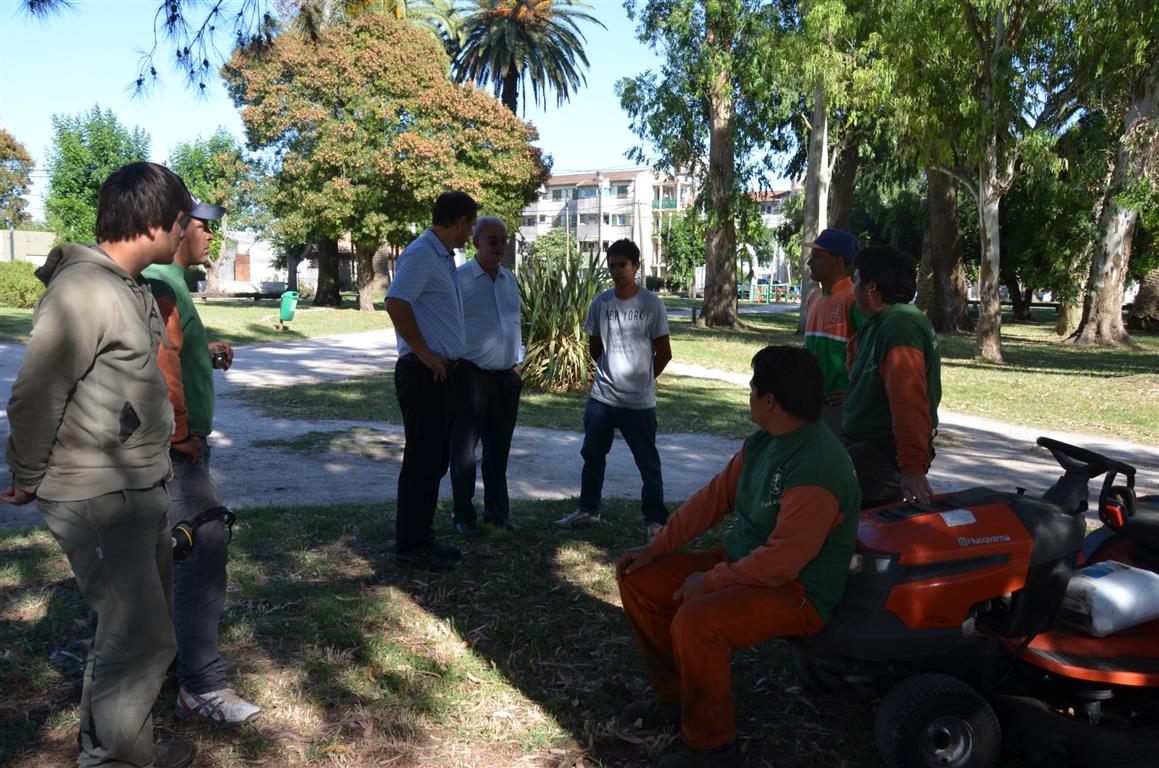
x,y
426,419
486,408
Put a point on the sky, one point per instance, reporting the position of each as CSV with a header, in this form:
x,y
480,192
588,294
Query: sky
x,y
89,55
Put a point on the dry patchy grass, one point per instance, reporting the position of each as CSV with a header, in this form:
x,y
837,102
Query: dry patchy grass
x,y
520,658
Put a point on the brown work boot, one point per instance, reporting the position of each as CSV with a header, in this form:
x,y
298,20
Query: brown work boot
x,y
653,714
727,756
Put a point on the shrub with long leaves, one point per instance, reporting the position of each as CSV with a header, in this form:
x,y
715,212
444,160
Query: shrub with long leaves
x,y
556,291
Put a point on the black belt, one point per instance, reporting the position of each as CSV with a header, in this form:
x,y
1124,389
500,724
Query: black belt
x,y
450,363
492,371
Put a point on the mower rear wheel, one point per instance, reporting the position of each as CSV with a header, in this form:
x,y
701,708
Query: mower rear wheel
x,y
937,721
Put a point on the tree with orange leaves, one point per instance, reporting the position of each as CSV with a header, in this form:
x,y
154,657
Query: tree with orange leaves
x,y
365,129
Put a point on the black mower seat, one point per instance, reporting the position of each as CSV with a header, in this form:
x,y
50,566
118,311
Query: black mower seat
x,y
1143,526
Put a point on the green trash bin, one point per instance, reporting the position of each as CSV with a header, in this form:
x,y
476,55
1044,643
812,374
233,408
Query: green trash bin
x,y
289,304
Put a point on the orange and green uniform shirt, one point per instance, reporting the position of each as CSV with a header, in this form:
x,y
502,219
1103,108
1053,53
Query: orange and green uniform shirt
x,y
796,500
186,362
895,385
831,320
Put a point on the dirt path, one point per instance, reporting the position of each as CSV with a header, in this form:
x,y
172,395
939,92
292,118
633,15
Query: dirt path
x,y
362,465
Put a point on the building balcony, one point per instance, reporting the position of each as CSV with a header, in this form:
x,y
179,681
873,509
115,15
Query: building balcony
x,y
665,204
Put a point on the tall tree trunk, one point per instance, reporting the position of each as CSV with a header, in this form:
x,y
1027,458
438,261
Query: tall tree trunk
x,y
292,262
841,187
364,255
1019,300
509,96
327,294
1144,315
212,278
1102,321
720,259
816,190
988,342
948,306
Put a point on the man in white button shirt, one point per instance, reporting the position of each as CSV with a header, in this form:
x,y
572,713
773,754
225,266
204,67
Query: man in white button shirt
x,y
487,381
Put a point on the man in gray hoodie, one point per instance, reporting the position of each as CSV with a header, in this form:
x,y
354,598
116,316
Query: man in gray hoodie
x,y
91,421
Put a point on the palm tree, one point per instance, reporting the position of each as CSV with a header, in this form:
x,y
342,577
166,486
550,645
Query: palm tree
x,y
509,43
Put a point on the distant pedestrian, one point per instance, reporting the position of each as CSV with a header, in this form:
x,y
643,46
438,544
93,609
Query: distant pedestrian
x,y
91,424
831,316
627,329
890,413
426,308
487,382
199,580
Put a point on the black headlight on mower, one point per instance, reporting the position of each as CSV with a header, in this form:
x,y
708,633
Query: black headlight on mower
x,y
871,562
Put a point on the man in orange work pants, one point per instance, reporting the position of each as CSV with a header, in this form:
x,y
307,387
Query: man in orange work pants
x,y
780,573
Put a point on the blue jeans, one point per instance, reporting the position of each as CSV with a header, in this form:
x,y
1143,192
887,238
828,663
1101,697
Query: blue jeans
x,y
638,427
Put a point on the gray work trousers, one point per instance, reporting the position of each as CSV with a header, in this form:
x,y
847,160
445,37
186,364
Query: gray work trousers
x,y
199,580
120,550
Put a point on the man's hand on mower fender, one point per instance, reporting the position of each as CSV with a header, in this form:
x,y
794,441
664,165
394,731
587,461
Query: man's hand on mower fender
x,y
692,587
915,487
633,560
15,496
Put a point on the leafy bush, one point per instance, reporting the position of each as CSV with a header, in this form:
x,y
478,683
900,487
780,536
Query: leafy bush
x,y
19,287
556,290
193,276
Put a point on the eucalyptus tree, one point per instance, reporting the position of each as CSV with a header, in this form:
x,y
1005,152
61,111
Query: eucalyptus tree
x,y
976,84
1115,53
709,112
511,44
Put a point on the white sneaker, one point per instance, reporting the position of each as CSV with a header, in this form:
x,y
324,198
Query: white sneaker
x,y
223,707
579,517
650,531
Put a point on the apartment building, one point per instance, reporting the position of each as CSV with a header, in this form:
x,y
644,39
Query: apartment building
x,y
600,207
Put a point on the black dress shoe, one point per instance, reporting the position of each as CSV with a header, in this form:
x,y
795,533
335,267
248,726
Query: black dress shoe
x,y
424,559
173,754
470,530
502,525
445,551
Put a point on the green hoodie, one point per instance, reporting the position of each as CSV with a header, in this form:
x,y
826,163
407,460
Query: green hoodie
x,y
89,410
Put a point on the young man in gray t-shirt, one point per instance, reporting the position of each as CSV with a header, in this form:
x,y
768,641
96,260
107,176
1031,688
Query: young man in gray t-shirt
x,y
627,329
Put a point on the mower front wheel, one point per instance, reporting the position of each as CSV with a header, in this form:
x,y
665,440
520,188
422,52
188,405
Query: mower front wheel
x,y
937,721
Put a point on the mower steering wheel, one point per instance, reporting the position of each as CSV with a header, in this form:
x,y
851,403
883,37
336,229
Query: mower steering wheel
x,y
1082,461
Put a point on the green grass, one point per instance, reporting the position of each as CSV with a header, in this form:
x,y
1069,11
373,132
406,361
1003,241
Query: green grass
x,y
683,405
245,321
1044,383
520,657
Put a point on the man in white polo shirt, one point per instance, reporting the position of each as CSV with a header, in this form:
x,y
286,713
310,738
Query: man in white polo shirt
x,y
427,311
487,382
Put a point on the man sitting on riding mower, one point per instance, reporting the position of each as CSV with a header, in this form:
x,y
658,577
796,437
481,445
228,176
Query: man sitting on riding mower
x,y
781,571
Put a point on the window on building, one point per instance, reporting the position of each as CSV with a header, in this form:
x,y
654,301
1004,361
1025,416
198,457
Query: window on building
x,y
589,218
529,221
583,193
621,190
542,218
559,194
